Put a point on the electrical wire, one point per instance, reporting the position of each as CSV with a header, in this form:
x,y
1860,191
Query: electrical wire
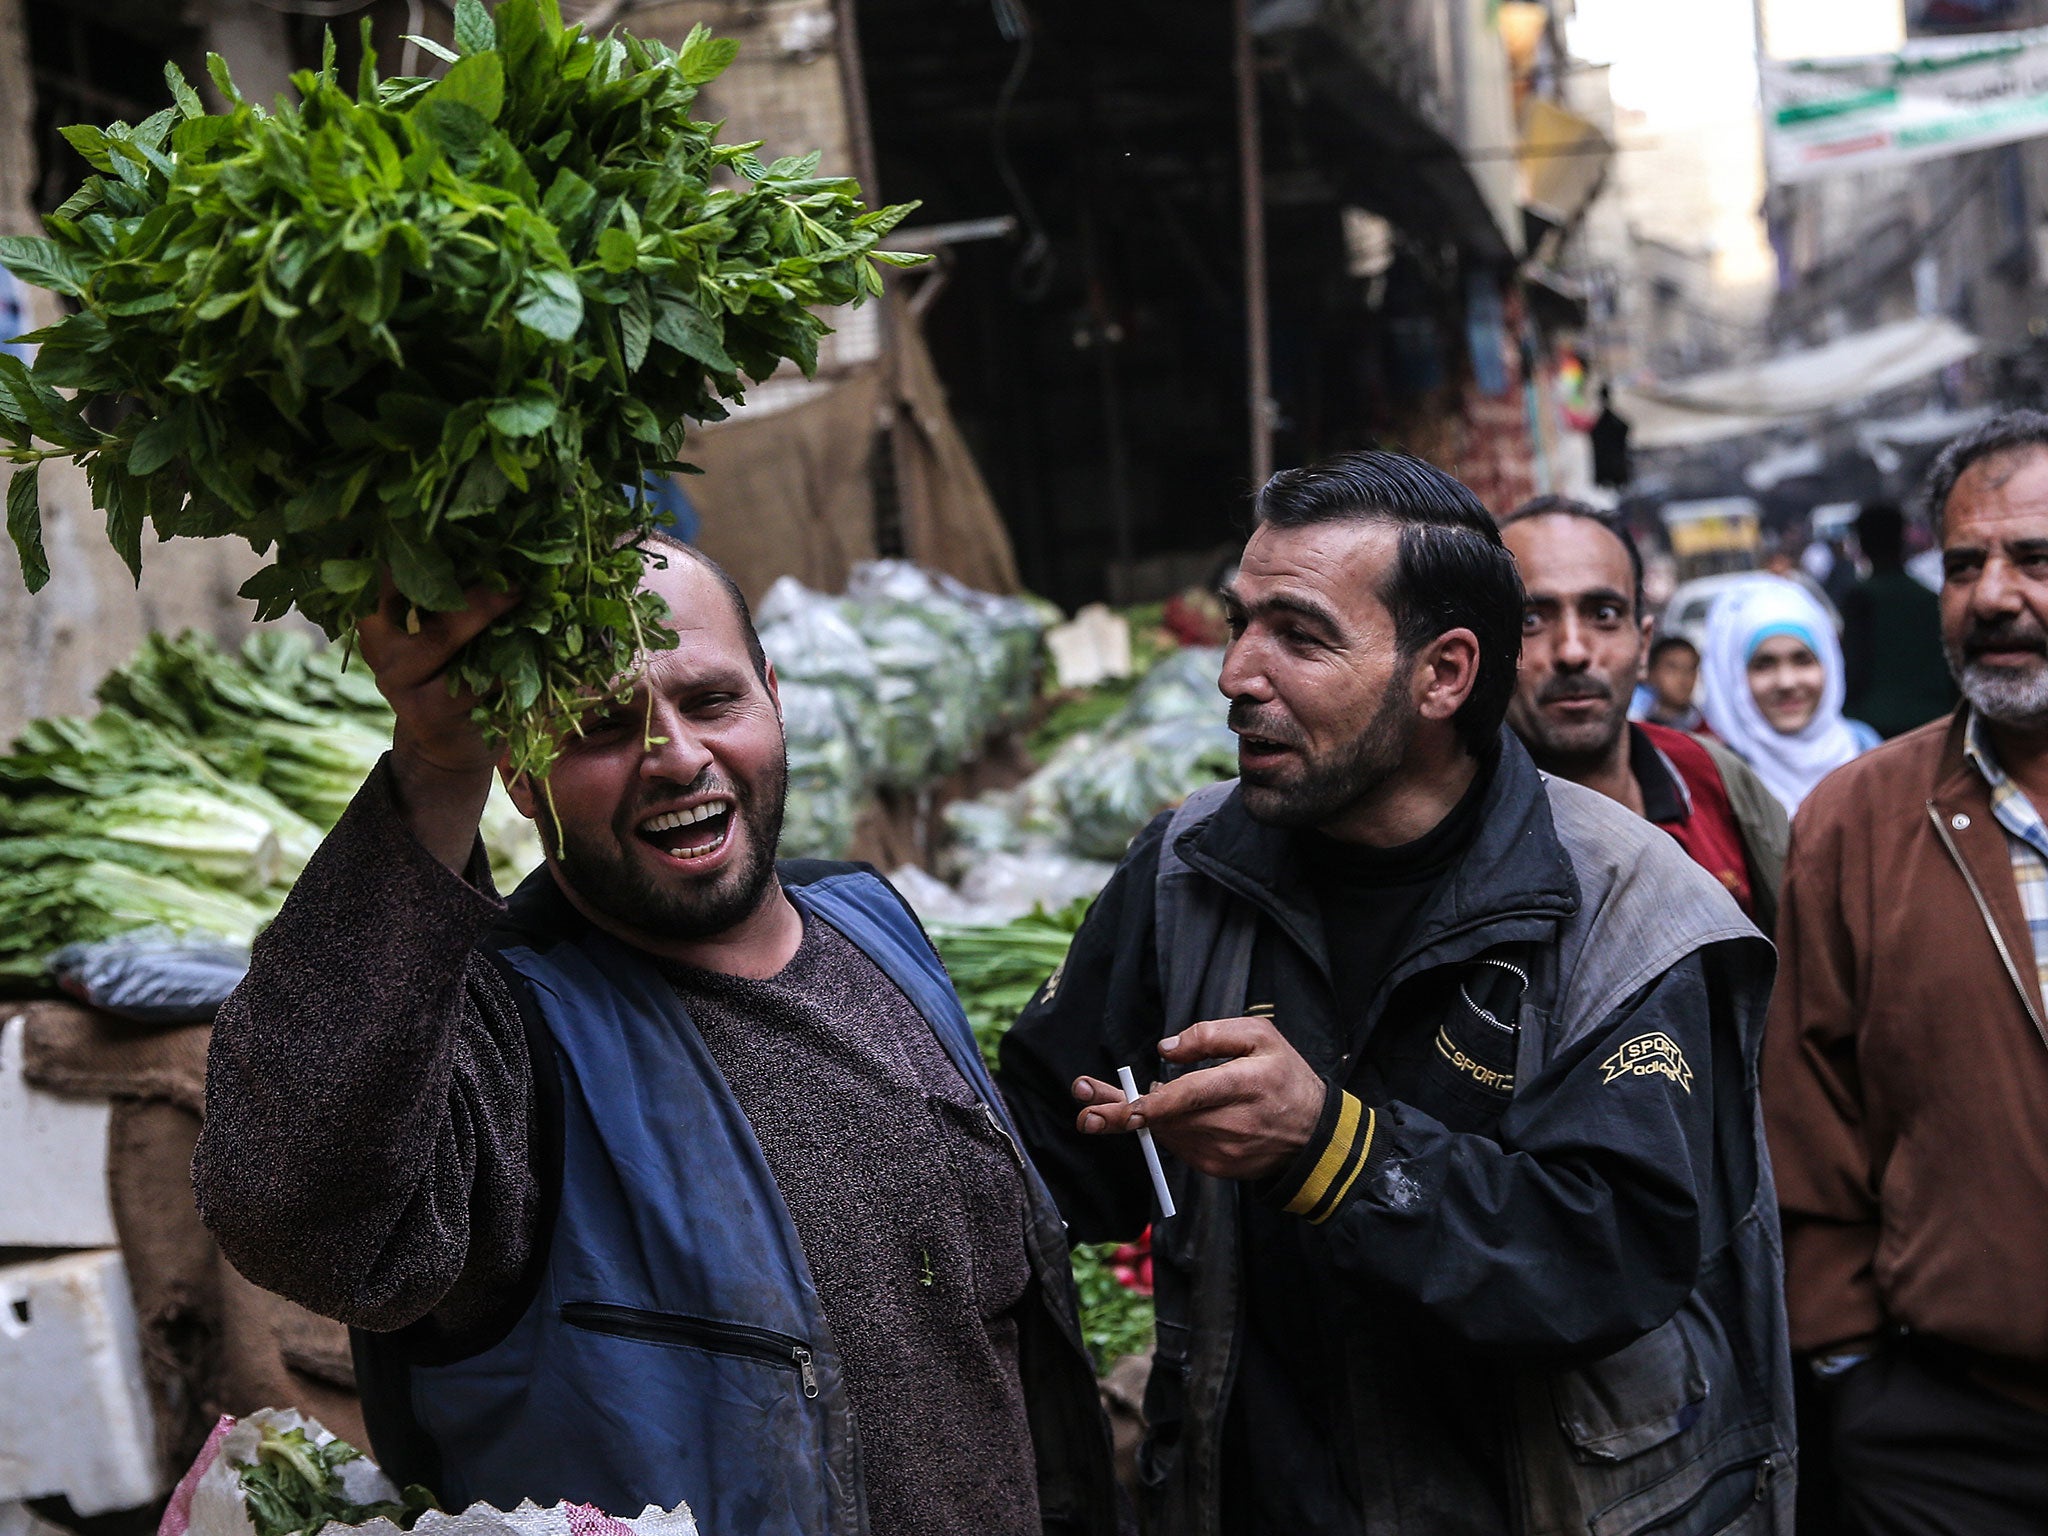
x,y
1031,277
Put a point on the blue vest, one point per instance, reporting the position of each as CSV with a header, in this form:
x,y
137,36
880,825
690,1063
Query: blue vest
x,y
673,1347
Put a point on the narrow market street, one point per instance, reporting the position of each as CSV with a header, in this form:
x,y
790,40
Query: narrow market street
x,y
908,767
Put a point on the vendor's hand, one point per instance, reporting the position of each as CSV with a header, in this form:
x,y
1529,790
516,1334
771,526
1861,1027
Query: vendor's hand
x,y
440,759
411,667
1245,1118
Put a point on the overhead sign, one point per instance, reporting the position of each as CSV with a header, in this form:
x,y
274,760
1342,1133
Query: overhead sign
x,y
1934,97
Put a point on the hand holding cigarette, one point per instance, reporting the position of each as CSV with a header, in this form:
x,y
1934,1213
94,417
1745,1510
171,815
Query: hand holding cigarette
x,y
1244,1118
1159,1189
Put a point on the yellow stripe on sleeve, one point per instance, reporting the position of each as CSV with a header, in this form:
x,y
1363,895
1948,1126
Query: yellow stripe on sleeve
x,y
1331,1163
1372,1121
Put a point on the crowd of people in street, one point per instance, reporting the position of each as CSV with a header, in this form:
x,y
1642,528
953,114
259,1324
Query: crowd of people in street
x,y
1571,1122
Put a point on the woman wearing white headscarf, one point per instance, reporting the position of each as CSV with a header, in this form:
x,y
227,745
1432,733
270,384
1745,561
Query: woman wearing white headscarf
x,y
1771,682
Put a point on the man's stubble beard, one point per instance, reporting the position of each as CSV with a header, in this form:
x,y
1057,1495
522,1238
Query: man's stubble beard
x,y
608,880
2015,698
1575,750
1326,790
2010,698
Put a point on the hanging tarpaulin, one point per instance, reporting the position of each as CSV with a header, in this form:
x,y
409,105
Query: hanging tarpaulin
x,y
1756,397
1935,97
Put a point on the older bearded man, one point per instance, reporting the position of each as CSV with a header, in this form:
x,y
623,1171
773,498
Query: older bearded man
x,y
678,1178
1906,1063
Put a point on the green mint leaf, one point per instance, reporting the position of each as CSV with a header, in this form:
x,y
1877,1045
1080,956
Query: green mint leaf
x,y
217,70
428,45
424,576
686,328
126,507
46,264
189,104
550,303
346,577
617,251
91,143
81,202
25,527
704,57
636,329
157,444
474,30
478,82
533,411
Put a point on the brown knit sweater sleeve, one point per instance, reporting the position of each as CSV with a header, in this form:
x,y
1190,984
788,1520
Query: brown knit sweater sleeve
x,y
366,1144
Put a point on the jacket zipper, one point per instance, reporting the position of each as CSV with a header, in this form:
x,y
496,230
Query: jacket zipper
x,y
735,1339
2012,970
1400,973
1513,970
1002,1132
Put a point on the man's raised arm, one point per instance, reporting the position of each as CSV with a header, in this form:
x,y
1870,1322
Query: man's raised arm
x,y
368,1088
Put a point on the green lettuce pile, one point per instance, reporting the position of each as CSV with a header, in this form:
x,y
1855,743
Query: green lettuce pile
x,y
997,971
427,331
194,798
114,823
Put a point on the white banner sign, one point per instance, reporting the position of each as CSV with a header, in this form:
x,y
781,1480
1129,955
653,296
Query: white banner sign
x,y
1936,96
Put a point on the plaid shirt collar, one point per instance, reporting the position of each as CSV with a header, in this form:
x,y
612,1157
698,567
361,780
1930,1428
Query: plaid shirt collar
x,y
2015,812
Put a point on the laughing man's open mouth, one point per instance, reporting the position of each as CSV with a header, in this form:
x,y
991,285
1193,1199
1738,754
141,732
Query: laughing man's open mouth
x,y
695,832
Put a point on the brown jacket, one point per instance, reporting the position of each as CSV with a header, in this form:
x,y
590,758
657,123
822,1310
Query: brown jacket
x,y
1905,1074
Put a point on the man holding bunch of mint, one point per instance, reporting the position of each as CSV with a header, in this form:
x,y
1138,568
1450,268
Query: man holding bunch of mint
x,y
676,1178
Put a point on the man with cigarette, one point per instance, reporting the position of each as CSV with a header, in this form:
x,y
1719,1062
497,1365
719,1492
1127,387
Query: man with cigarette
x,y
677,1178
1475,1229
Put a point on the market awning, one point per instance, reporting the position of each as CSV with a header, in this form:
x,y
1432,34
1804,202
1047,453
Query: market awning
x,y
1383,124
1563,157
1730,402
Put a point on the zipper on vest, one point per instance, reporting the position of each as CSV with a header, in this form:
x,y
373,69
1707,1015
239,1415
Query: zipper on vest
x,y
735,1339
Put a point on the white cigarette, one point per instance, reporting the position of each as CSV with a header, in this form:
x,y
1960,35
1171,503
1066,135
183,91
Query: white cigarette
x,y
1130,1085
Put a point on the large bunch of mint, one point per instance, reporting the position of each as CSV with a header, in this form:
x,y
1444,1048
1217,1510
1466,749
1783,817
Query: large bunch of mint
x,y
430,327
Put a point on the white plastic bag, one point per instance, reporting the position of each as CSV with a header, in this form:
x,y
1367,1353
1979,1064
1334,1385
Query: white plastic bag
x,y
208,1500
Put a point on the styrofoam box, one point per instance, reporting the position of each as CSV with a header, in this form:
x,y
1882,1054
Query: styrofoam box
x,y
74,1410
53,1160
19,1520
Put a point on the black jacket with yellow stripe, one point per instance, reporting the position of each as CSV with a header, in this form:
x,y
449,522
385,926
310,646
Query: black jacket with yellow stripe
x,y
1524,1278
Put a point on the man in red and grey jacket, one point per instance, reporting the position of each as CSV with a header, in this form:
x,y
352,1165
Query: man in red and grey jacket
x,y
1584,637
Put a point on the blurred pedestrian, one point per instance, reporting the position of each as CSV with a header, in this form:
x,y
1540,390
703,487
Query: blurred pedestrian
x,y
1671,678
1474,1233
1583,637
1896,675
1612,463
1771,686
1906,1065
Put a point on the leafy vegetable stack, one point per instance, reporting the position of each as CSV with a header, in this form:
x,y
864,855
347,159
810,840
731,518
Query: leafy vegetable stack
x,y
194,797
997,971
431,327
295,1488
